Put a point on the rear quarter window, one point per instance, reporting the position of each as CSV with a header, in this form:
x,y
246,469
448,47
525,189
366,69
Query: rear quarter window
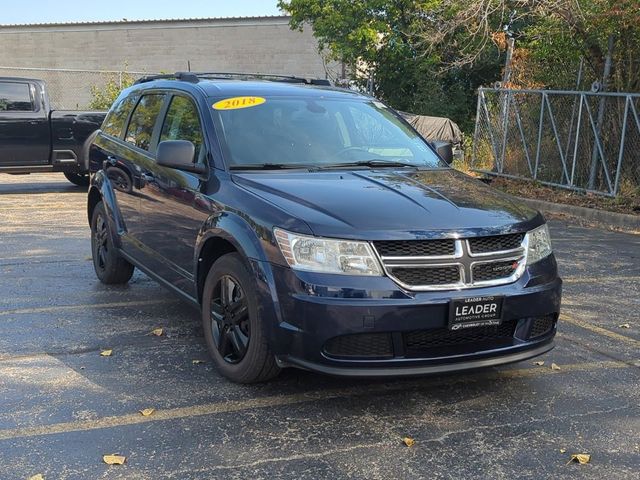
x,y
116,120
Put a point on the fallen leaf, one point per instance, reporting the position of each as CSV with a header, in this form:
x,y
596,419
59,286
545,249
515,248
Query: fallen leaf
x,y
114,459
147,411
540,363
624,325
554,367
563,450
157,332
408,441
36,477
581,458
197,362
106,353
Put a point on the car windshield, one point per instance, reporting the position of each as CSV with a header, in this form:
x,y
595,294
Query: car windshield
x,y
276,132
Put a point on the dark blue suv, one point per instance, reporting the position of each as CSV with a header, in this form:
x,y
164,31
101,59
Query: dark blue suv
x,y
315,228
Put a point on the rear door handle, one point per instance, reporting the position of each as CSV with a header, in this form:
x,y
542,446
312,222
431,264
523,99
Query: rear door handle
x,y
147,178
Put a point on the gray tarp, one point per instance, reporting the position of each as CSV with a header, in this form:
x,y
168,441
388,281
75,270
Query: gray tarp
x,y
435,128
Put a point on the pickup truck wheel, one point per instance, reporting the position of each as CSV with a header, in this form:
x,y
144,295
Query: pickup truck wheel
x,y
110,266
234,332
120,179
79,179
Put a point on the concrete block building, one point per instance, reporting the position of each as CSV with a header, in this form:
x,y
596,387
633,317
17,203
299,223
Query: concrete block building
x,y
246,44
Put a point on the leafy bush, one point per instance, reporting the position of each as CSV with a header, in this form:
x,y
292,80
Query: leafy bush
x,y
105,95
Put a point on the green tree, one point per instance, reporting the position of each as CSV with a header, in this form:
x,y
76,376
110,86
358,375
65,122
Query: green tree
x,y
104,95
386,40
429,56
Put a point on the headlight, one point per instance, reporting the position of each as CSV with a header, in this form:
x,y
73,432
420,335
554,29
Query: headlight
x,y
538,244
313,254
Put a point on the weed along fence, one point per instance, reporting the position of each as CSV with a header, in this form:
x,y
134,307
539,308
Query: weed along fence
x,y
578,140
73,89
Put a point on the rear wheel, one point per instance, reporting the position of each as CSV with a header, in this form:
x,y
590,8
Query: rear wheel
x,y
234,332
80,179
110,266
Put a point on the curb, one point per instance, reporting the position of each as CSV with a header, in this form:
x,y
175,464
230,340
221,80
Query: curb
x,y
610,220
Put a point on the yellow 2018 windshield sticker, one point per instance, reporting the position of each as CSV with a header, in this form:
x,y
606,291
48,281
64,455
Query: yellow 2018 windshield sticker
x,y
235,103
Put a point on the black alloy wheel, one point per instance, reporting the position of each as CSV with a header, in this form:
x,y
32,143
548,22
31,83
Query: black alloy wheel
x,y
235,329
101,241
230,325
110,266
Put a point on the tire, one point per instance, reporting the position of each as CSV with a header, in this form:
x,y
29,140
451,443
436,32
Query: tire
x,y
79,179
235,334
120,179
111,268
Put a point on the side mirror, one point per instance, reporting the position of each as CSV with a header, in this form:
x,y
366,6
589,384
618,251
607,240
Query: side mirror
x,y
179,154
444,149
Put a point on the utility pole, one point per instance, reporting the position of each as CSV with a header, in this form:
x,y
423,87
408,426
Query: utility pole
x,y
506,76
593,172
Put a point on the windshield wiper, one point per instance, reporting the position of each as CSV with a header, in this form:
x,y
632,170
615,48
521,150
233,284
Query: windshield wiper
x,y
270,166
370,163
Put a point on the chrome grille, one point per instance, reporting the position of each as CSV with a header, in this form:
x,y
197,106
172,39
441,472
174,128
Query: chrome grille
x,y
428,275
482,272
415,248
496,243
422,265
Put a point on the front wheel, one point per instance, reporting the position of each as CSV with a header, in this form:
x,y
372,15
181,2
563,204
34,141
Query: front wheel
x,y
79,179
235,334
110,266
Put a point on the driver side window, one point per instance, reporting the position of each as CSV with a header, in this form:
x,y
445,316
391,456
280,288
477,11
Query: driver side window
x,y
183,123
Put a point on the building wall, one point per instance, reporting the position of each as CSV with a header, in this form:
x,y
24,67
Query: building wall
x,y
75,59
261,44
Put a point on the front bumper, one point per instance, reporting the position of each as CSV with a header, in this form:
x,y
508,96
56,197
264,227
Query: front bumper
x,y
401,332
414,370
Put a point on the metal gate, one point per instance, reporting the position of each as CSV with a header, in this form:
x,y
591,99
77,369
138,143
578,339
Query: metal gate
x,y
578,140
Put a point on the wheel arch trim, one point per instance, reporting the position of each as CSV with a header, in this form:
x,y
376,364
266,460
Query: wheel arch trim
x,y
102,188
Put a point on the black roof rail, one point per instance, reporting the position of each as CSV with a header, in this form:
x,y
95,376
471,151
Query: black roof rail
x,y
183,76
194,77
263,76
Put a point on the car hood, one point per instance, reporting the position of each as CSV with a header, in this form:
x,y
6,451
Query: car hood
x,y
388,203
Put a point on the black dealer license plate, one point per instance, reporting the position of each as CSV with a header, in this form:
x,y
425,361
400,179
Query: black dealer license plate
x,y
475,312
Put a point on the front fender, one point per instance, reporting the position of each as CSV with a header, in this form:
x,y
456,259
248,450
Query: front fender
x,y
246,239
234,229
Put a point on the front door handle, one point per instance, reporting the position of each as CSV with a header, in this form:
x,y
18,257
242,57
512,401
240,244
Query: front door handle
x,y
112,160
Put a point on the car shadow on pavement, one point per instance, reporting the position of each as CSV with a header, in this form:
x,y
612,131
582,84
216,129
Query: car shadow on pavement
x,y
21,188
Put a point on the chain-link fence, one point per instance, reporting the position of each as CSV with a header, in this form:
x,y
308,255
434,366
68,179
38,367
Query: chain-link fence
x,y
71,89
578,140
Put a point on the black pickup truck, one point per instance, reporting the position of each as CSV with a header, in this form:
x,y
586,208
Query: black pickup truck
x,y
34,138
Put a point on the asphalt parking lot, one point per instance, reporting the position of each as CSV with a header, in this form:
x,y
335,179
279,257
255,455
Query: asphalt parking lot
x,y
63,405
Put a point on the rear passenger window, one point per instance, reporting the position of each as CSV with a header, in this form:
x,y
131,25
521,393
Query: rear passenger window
x,y
15,97
143,120
182,123
116,119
